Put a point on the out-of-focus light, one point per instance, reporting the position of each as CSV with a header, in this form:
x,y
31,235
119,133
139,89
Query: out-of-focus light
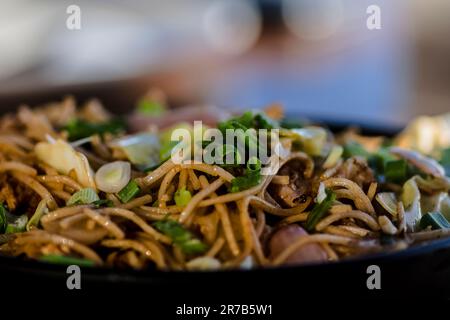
x,y
313,19
232,26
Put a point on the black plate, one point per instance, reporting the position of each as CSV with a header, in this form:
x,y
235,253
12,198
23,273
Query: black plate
x,y
422,270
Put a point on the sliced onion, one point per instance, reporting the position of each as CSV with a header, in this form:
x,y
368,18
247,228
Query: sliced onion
x,y
203,263
333,157
113,177
312,139
388,201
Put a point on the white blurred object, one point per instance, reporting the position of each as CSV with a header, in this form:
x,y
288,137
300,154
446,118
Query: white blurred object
x,y
21,35
313,19
232,26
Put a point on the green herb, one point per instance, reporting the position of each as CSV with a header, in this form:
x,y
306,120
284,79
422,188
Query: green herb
x,y
166,150
16,224
182,197
103,203
396,171
130,191
180,236
64,260
353,148
320,210
379,159
292,124
83,196
10,223
434,219
251,177
79,129
150,108
3,218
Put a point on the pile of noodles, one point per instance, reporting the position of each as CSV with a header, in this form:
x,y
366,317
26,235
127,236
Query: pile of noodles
x,y
235,226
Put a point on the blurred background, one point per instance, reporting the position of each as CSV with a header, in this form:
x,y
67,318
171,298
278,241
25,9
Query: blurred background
x,y
316,57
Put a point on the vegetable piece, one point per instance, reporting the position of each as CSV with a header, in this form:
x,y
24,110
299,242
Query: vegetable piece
x,y
40,211
319,210
113,177
10,223
411,201
333,157
62,156
150,108
388,201
79,129
16,224
83,196
251,177
353,148
435,220
130,191
180,236
182,197
203,264
396,171
103,203
423,163
312,139
142,149
65,260
3,218
249,119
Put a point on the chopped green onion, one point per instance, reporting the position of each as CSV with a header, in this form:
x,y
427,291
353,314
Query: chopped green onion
x,y
292,124
10,223
254,164
40,211
130,191
251,177
64,260
353,148
103,203
435,220
182,197
180,236
396,171
79,129
84,196
3,218
150,108
166,150
320,209
18,225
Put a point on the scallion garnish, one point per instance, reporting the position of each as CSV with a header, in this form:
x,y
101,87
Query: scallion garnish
x,y
83,196
396,171
180,236
79,129
320,209
182,197
435,220
130,191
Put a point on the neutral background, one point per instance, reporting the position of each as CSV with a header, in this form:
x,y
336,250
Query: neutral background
x,y
316,57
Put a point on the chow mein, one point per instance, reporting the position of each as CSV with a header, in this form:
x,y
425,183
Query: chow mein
x,y
79,185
